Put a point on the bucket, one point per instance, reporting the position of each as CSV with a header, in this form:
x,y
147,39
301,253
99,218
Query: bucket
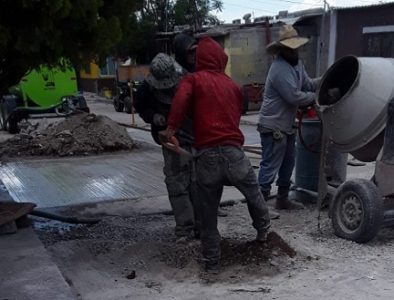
x,y
307,159
307,162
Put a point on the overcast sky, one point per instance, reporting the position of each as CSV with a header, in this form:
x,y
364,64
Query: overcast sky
x,y
236,9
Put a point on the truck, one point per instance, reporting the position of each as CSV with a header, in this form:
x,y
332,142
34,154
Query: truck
x,y
47,91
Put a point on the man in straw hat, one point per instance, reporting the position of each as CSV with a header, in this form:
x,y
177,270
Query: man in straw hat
x,y
153,103
286,88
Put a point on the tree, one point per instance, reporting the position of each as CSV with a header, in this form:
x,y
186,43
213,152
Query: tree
x,y
196,13
34,32
161,16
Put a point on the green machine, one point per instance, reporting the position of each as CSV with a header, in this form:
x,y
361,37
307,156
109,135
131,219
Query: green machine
x,y
42,92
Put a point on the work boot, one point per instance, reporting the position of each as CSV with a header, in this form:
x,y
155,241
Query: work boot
x,y
212,267
283,201
261,236
273,214
266,195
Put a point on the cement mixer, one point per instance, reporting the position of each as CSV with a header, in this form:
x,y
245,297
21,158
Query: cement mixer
x,y
356,104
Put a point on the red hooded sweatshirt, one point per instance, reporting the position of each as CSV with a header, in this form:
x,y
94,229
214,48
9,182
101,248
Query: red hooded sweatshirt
x,y
213,98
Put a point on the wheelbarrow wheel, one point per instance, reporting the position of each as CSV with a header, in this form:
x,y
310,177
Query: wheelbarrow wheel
x,y
357,210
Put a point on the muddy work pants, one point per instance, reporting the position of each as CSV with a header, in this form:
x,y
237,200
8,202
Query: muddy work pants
x,y
179,179
215,168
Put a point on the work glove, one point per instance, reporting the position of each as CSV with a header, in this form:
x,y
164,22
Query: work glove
x,y
159,120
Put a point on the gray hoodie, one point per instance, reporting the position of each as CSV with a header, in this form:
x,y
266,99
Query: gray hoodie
x,y
286,88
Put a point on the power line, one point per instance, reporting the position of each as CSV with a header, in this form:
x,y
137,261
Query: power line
x,y
288,1
265,10
252,8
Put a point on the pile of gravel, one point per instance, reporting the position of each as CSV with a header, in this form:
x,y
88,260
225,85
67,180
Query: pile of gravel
x,y
80,134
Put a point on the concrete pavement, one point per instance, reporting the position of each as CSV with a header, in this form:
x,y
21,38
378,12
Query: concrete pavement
x,y
26,270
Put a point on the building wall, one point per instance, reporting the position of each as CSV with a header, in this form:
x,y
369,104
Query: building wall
x,y
248,61
350,24
91,71
133,73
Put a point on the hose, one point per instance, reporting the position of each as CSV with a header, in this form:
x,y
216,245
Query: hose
x,y
65,219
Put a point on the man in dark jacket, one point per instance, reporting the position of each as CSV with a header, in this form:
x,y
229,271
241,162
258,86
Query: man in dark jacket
x,y
153,102
215,102
184,48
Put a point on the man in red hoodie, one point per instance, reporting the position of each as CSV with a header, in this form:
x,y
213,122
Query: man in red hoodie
x,y
215,103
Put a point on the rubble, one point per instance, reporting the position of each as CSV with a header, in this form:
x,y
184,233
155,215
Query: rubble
x,y
80,134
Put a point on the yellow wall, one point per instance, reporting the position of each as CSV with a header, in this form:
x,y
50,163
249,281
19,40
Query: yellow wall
x,y
93,74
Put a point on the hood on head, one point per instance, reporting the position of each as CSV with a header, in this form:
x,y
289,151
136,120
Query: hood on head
x,y
210,56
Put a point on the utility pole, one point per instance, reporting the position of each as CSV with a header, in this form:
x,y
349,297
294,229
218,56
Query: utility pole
x,y
321,38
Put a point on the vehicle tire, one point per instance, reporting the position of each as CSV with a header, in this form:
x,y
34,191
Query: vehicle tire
x,y
357,210
82,104
2,117
9,103
127,105
12,125
118,105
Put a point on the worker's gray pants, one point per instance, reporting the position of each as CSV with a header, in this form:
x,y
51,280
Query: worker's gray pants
x,y
180,182
216,167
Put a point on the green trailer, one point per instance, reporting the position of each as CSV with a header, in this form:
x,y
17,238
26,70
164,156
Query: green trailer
x,y
43,92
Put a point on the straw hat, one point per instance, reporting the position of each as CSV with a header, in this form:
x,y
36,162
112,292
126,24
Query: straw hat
x,y
288,37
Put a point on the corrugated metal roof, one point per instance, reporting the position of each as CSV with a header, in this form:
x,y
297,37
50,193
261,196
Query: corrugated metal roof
x,y
362,6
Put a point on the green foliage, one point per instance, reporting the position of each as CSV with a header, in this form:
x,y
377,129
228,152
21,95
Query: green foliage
x,y
162,15
196,13
33,32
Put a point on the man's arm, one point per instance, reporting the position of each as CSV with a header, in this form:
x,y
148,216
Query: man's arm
x,y
309,84
285,83
181,103
143,103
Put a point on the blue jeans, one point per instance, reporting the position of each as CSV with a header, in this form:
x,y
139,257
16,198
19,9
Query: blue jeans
x,y
278,158
215,168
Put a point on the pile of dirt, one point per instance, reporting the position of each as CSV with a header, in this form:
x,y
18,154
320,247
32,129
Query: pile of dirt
x,y
233,252
80,134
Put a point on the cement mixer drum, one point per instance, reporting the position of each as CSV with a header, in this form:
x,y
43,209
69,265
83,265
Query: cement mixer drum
x,y
356,120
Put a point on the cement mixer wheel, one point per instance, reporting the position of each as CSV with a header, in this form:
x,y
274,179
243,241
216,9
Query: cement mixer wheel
x,y
357,210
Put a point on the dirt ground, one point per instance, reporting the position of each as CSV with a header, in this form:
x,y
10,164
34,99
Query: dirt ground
x,y
136,257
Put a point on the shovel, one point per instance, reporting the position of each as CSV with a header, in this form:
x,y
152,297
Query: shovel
x,y
173,145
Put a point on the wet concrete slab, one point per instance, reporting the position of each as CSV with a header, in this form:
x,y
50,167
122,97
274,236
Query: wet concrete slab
x,y
78,180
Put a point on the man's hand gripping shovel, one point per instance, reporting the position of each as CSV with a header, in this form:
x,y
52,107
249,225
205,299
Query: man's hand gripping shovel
x,y
172,144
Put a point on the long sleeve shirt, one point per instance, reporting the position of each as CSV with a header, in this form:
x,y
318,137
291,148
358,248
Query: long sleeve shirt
x,y
287,87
